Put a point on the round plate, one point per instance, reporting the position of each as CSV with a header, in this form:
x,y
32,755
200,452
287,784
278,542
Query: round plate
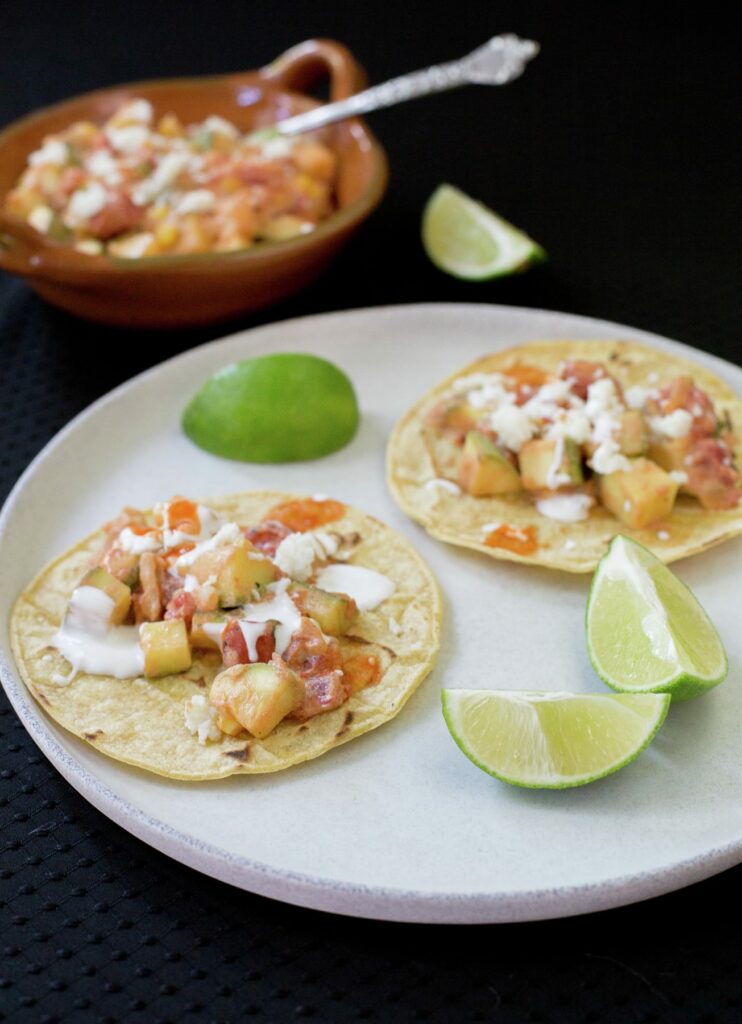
x,y
398,824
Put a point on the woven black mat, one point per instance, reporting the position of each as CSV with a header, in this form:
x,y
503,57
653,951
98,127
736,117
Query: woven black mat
x,y
619,151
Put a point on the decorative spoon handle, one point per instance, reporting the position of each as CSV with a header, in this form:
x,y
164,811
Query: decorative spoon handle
x,y
498,62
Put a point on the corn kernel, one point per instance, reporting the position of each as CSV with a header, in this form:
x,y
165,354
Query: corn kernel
x,y
166,235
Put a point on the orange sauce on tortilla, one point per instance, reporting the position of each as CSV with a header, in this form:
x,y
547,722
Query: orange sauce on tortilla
x,y
361,670
306,513
520,542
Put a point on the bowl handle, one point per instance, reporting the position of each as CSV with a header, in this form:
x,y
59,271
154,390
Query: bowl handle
x,y
24,251
304,64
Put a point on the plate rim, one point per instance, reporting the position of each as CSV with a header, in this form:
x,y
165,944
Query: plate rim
x,y
317,892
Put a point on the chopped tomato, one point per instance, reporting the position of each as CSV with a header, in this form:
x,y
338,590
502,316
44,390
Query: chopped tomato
x,y
267,536
711,476
581,373
306,513
361,670
321,693
234,645
119,214
682,393
181,606
519,541
310,652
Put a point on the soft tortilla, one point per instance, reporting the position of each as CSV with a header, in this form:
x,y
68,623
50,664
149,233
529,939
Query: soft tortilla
x,y
574,547
141,721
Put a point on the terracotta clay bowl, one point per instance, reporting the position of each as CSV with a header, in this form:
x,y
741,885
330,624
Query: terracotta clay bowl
x,y
188,290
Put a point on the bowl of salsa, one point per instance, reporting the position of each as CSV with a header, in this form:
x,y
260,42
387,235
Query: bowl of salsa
x,y
168,203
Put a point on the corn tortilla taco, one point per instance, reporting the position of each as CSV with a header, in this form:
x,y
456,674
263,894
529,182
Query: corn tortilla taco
x,y
238,636
541,453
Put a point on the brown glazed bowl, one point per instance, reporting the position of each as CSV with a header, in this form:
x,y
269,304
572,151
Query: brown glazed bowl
x,y
188,290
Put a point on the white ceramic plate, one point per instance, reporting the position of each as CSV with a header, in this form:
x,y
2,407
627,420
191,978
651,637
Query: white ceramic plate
x,y
397,824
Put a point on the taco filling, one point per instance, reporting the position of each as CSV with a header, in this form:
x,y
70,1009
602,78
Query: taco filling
x,y
543,452
269,600
243,635
576,438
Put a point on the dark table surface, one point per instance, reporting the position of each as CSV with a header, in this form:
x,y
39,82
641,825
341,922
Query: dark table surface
x,y
619,151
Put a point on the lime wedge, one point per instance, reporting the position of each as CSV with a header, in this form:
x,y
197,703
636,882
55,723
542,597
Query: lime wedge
x,y
646,632
280,408
552,740
464,238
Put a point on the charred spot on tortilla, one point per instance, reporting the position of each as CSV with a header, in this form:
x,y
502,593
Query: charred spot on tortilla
x,y
94,735
242,754
348,721
354,639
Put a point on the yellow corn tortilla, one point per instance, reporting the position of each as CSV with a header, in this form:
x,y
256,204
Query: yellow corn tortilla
x,y
574,547
141,721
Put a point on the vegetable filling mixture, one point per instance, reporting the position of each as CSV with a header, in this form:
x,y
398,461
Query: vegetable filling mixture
x,y
577,438
270,600
133,188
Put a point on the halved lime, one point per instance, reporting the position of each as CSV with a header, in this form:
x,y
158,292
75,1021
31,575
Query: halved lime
x,y
279,408
646,632
552,740
466,239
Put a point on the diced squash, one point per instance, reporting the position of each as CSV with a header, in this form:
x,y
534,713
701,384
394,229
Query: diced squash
x,y
638,496
201,637
234,571
333,613
119,593
670,454
258,696
452,414
633,435
484,469
547,463
165,646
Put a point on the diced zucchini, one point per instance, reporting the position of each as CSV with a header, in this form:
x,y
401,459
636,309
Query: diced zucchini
x,y
201,637
235,572
638,496
670,454
333,613
484,469
633,435
119,593
258,696
165,647
547,463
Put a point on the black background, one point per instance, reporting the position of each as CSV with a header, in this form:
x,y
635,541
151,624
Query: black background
x,y
619,151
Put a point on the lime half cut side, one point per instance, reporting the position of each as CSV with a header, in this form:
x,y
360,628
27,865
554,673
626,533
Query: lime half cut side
x,y
552,740
646,632
470,241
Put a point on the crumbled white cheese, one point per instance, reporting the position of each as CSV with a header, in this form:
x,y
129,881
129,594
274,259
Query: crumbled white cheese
x,y
636,396
513,426
200,719
221,126
200,200
675,424
52,152
280,146
166,172
678,476
40,218
86,202
102,165
130,139
663,535
438,483
608,459
136,110
89,246
133,247
569,544
570,423
567,508
297,554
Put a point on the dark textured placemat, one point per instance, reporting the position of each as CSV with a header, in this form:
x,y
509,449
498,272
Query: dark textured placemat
x,y
618,151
